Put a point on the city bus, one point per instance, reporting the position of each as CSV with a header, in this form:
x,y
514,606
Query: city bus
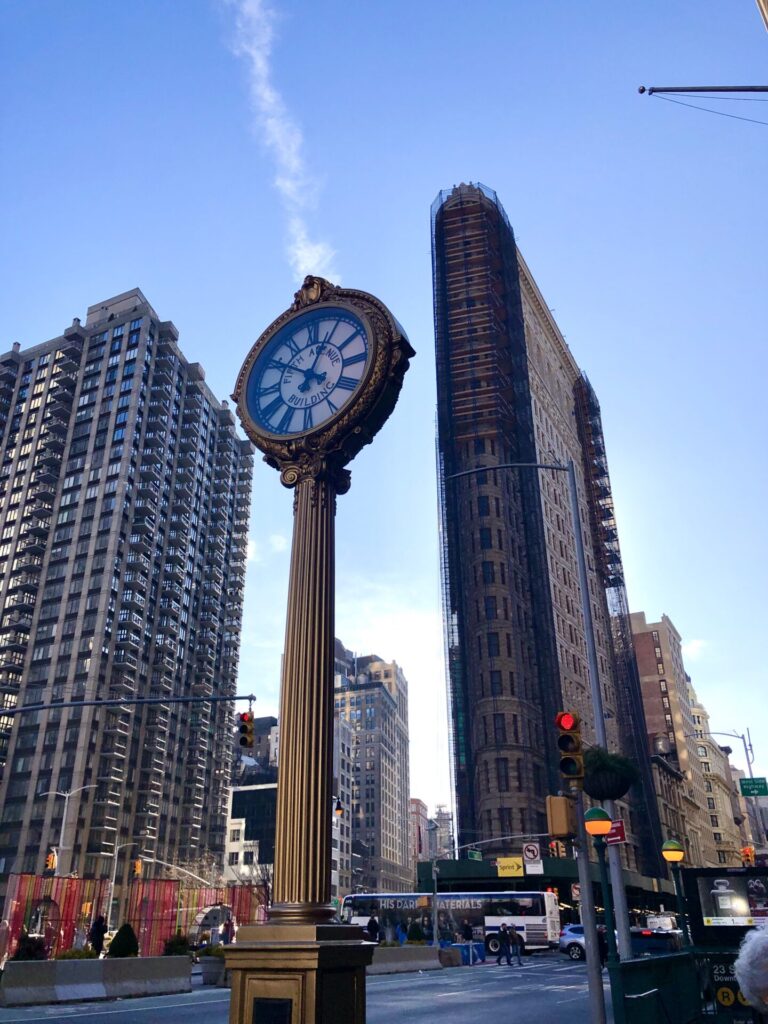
x,y
534,915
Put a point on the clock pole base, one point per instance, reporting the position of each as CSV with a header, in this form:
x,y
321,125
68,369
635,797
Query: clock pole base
x,y
298,974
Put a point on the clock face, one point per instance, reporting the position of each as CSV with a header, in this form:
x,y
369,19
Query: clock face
x,y
308,371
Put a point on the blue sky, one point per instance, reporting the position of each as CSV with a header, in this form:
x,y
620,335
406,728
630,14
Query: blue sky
x,y
210,152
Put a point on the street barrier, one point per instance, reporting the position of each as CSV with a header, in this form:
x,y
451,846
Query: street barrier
x,y
33,982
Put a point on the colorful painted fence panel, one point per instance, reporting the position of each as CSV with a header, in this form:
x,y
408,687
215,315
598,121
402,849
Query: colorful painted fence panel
x,y
158,909
59,909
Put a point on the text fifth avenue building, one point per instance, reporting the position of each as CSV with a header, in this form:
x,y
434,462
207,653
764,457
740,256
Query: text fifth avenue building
x,y
124,504
510,391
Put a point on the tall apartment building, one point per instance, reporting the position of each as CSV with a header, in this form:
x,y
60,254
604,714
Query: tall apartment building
x,y
124,504
669,718
372,696
509,391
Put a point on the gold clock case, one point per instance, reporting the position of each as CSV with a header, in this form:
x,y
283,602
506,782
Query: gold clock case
x,y
327,449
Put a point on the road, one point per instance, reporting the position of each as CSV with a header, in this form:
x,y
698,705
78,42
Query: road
x,y
546,990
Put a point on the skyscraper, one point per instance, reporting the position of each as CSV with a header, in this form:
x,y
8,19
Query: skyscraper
x,y
125,496
372,696
509,391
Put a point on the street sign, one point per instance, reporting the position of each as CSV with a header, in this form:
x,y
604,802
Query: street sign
x,y
509,867
531,852
575,892
474,855
754,787
617,833
532,859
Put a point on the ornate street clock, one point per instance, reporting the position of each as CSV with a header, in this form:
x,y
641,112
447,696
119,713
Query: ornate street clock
x,y
314,389
321,380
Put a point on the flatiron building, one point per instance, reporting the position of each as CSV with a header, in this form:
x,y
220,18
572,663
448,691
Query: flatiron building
x,y
510,391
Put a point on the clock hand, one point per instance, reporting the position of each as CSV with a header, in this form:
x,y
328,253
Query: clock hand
x,y
308,374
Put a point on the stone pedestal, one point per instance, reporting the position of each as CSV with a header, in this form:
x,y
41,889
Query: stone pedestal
x,y
298,974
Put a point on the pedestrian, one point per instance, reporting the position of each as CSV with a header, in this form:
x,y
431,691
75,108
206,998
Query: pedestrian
x,y
97,933
373,928
602,945
504,949
467,936
518,941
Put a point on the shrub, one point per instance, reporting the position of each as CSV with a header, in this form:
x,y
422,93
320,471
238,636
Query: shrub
x,y
124,943
212,951
31,947
77,954
177,945
415,933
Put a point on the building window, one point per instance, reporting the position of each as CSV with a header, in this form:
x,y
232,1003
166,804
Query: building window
x,y
493,645
248,857
502,774
499,729
495,683
483,505
234,857
663,685
702,751
489,575
722,857
713,821
718,837
234,835
491,608
706,766
485,538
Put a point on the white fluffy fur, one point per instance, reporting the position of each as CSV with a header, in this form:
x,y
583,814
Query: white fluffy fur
x,y
751,968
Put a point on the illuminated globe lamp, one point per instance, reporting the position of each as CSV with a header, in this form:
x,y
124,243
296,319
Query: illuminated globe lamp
x,y
672,851
597,822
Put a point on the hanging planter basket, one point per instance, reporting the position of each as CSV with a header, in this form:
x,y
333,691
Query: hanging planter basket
x,y
608,776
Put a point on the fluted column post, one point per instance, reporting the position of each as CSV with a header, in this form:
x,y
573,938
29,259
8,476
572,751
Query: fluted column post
x,y
302,876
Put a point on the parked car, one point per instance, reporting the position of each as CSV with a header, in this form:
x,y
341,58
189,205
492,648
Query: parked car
x,y
572,941
645,941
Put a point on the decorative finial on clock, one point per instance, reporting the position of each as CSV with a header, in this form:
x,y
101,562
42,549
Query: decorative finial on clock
x,y
314,289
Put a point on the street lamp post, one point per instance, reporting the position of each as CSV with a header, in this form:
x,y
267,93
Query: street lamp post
x,y
749,757
596,696
66,794
673,853
598,824
121,846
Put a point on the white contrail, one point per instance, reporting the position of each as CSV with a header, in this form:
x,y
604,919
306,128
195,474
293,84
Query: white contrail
x,y
282,137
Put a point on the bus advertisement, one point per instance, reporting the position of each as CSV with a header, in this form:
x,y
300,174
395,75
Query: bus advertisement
x,y
534,915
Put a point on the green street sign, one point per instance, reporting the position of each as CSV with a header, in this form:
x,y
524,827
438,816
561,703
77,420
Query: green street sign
x,y
474,855
754,787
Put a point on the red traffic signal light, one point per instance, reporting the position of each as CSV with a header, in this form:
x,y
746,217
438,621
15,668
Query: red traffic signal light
x,y
569,744
748,856
566,720
246,729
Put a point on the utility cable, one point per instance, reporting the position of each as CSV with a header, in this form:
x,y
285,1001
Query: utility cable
x,y
708,110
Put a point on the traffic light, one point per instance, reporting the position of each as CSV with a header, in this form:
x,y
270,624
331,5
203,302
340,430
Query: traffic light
x,y
51,861
569,745
246,730
748,856
137,866
561,817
